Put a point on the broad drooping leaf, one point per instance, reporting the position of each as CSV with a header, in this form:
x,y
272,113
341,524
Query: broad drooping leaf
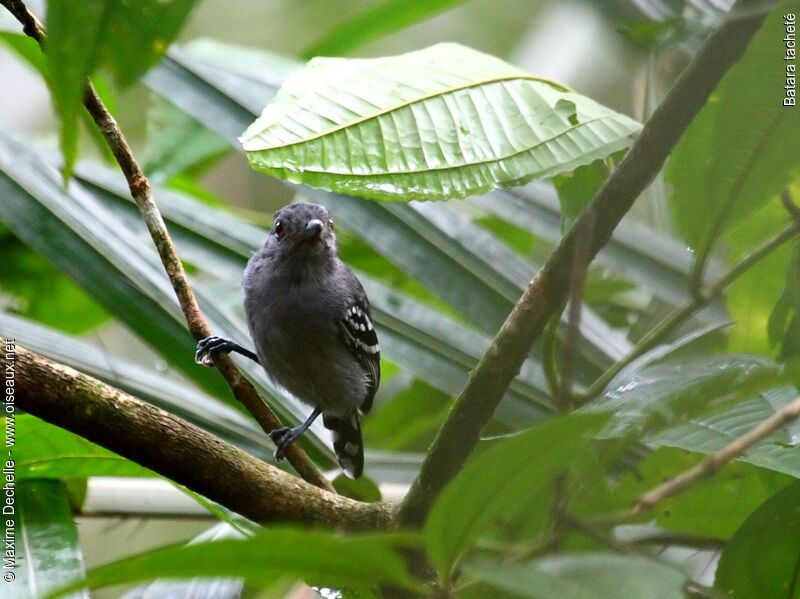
x,y
318,557
657,395
707,434
498,482
48,554
733,157
763,557
439,123
82,35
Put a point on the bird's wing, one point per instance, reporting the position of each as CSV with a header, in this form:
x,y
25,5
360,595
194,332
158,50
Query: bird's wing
x,y
360,336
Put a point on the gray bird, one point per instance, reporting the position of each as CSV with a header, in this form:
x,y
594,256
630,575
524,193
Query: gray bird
x,y
310,320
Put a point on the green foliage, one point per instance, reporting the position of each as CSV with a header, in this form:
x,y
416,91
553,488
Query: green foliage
x,y
656,396
384,18
734,493
576,189
47,451
34,288
586,576
320,557
126,37
732,158
763,556
438,123
494,486
46,541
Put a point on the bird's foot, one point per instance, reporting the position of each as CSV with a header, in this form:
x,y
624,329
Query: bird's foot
x,y
283,437
207,347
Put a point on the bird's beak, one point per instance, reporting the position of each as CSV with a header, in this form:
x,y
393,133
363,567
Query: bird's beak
x,y
313,229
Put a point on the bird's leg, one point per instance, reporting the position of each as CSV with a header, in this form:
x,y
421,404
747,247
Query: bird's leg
x,y
207,347
285,436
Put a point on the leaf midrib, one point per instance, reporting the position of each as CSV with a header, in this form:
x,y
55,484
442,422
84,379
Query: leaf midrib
x,y
418,100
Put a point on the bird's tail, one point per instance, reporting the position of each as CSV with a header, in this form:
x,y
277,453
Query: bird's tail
x,y
347,442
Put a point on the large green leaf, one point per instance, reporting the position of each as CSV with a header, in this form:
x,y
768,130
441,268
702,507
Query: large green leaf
x,y
128,37
656,396
707,434
47,550
500,481
763,557
439,123
319,558
377,21
46,451
732,159
203,410
585,576
735,491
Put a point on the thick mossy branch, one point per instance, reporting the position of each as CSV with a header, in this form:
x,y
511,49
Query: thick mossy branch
x,y
547,292
180,451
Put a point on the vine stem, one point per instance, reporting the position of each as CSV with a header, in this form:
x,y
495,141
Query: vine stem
x,y
142,194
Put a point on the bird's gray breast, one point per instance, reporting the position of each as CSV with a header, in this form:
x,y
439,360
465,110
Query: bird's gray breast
x,y
296,331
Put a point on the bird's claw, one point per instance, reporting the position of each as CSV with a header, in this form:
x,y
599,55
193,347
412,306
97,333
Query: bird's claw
x,y
207,347
282,437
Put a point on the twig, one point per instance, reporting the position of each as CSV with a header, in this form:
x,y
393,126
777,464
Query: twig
x,y
657,334
489,381
580,263
790,206
142,194
713,462
182,452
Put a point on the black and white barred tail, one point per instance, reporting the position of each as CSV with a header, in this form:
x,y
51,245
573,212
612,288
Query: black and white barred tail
x,y
347,442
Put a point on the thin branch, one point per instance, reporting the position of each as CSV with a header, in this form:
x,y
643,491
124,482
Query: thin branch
x,y
182,452
547,291
712,463
142,194
659,333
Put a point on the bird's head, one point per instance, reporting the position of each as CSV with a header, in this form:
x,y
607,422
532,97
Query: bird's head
x,y
302,232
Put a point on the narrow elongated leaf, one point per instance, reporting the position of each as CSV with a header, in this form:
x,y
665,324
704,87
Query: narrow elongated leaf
x,y
711,433
320,558
583,576
763,557
46,451
382,19
47,551
203,410
128,37
500,481
732,159
439,123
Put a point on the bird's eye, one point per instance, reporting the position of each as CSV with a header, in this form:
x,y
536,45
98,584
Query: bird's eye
x,y
280,231
332,224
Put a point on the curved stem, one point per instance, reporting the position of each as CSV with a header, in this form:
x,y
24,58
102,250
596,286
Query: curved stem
x,y
142,195
660,332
